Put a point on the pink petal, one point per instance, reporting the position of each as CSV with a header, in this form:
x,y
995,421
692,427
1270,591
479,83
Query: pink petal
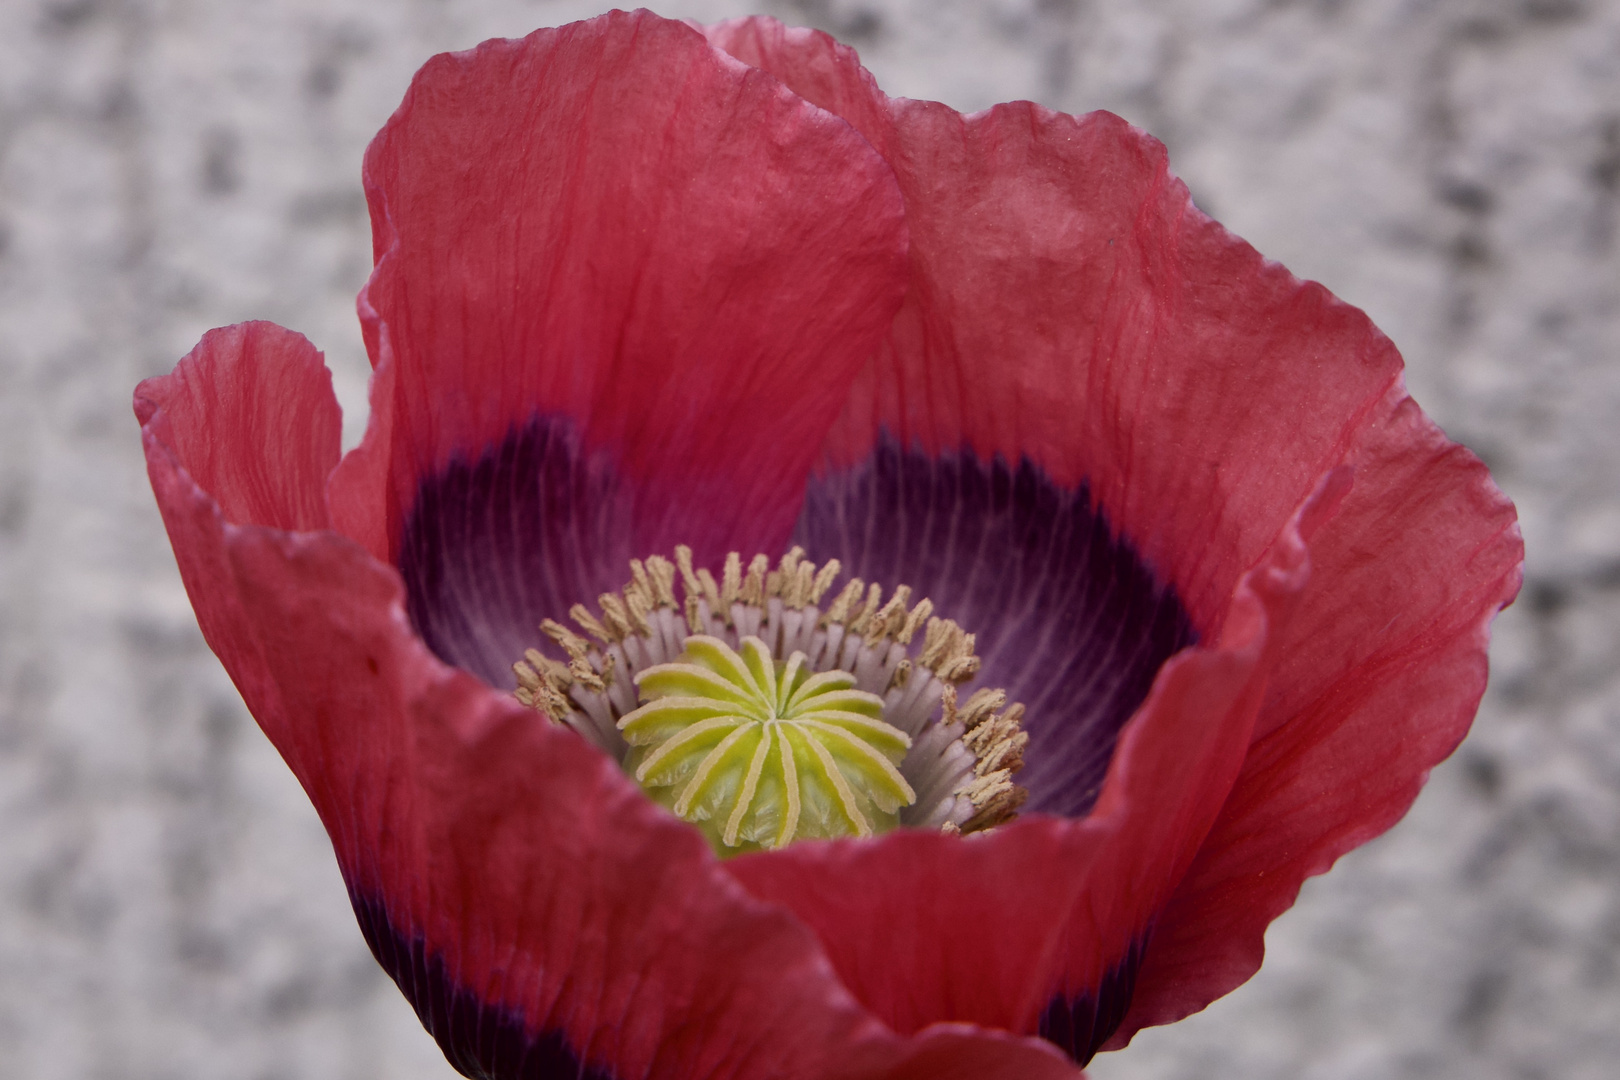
x,y
270,389
615,224
1378,681
992,930
538,910
623,285
1070,307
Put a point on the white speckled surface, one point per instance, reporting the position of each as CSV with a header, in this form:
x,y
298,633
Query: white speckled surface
x,y
169,906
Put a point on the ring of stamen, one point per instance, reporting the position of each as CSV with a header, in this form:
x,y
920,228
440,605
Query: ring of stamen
x,y
725,743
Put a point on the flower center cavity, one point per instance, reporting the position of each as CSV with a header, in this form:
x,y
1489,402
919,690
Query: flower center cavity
x,y
748,710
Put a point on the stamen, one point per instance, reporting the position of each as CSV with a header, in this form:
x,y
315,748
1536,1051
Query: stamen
x,y
733,581
753,586
824,579
846,724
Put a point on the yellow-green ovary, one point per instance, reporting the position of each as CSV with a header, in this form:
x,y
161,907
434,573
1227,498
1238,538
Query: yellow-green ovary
x,y
758,754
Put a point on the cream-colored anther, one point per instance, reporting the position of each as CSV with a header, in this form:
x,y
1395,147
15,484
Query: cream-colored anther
x,y
844,602
731,582
587,622
752,590
824,579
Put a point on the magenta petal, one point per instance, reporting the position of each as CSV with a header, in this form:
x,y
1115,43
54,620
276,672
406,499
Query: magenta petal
x,y
270,388
1377,681
615,225
961,1052
542,915
1070,307
993,930
623,285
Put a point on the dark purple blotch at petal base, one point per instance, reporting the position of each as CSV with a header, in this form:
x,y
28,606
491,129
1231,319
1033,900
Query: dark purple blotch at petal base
x,y
1080,1025
493,546
1069,620
482,1041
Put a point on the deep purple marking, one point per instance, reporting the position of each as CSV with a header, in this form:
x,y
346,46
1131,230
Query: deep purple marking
x,y
482,1041
1080,1025
492,547
1068,619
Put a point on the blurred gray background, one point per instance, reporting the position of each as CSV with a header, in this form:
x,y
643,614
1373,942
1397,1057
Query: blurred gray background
x,y
169,905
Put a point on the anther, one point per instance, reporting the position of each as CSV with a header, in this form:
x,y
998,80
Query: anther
x,y
731,583
824,579
588,623
752,591
841,605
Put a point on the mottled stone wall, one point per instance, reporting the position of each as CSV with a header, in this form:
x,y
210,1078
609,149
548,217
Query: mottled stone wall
x,y
169,906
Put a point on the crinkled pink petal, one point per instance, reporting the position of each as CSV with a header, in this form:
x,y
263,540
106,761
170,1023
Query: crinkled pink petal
x,y
613,226
991,930
544,917
1069,306
1377,681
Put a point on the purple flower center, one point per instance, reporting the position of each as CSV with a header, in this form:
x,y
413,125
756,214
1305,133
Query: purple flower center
x,y
1067,618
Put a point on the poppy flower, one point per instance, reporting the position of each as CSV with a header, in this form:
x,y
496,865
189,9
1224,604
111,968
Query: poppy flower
x,y
647,295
